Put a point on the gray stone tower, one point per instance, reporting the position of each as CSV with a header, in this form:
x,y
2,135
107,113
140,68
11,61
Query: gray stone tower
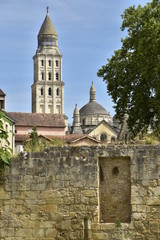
x,y
48,87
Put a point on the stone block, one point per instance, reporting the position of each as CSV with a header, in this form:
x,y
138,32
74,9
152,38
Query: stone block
x,y
137,200
150,237
65,224
48,208
38,187
93,200
107,226
77,224
46,225
23,233
101,236
89,193
40,233
153,201
96,226
139,226
4,194
7,232
154,226
68,200
50,233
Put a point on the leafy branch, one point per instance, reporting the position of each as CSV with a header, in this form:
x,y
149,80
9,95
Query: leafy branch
x,y
5,150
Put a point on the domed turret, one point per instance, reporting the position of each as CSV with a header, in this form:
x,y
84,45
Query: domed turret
x,y
92,113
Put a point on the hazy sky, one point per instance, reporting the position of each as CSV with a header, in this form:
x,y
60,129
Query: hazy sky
x,y
88,33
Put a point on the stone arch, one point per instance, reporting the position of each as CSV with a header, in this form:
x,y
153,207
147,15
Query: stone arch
x,y
49,91
57,92
103,137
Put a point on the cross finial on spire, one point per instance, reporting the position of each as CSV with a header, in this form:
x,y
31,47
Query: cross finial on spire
x,y
47,9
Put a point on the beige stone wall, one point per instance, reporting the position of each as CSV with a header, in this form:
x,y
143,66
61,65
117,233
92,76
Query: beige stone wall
x,y
115,189
92,120
55,195
103,129
50,131
84,142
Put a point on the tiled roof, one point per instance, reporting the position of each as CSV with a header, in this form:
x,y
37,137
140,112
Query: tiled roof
x,y
21,137
2,93
85,137
37,119
70,138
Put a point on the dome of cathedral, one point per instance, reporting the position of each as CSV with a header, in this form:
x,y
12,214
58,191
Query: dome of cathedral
x,y
93,108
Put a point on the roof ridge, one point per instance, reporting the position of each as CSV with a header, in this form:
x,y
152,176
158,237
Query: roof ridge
x,y
2,93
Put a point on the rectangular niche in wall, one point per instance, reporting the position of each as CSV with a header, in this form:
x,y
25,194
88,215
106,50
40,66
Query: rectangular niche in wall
x,y
115,189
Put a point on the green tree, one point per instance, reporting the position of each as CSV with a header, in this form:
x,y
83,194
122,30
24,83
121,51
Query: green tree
x,y
5,150
132,74
32,144
34,137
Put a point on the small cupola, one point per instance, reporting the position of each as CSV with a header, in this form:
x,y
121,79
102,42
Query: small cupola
x,y
76,119
76,122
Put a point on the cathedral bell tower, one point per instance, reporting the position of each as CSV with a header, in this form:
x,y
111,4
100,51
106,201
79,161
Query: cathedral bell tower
x,y
48,87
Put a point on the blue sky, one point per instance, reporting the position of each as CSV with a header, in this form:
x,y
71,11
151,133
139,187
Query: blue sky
x,y
88,33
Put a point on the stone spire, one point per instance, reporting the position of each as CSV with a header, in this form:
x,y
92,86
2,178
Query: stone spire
x,y
47,33
92,93
76,122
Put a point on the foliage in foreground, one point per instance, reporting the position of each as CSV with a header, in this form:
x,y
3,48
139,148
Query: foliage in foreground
x,y
132,74
5,150
149,139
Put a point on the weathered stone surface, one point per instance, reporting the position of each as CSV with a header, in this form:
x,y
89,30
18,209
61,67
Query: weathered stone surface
x,y
115,180
55,194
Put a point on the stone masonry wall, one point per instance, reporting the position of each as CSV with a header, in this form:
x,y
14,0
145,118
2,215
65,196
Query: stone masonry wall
x,y
114,189
54,195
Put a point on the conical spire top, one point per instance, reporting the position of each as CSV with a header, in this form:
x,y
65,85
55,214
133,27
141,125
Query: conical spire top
x,y
47,35
76,110
47,27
